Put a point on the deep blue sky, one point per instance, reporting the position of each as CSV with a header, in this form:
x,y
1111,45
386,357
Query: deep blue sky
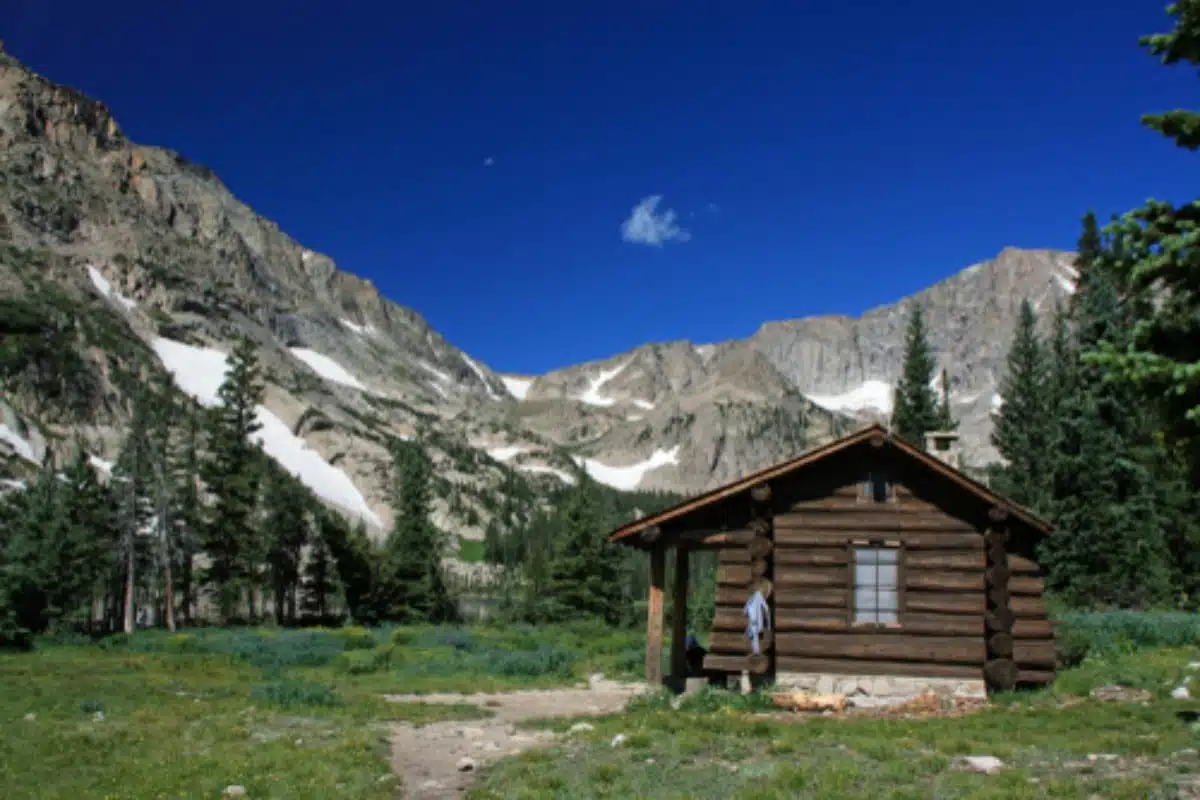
x,y
855,152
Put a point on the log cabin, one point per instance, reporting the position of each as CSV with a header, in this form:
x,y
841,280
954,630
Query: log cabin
x,y
886,571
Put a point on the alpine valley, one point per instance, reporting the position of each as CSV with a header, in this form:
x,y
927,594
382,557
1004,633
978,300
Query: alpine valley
x,y
142,262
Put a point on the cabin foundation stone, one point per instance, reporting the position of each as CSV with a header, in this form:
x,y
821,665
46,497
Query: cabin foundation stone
x,y
883,686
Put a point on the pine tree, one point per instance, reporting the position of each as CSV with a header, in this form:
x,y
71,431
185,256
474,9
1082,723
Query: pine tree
x,y
184,462
1110,545
133,480
584,574
320,584
946,420
285,521
231,474
1156,263
1020,426
915,405
412,588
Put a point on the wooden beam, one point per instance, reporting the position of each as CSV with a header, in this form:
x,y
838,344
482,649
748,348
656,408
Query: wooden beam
x,y
679,620
654,617
997,513
651,534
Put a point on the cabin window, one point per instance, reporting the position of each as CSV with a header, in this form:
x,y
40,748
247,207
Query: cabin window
x,y
876,593
876,488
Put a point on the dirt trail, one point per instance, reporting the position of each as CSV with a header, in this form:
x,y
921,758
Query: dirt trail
x,y
428,758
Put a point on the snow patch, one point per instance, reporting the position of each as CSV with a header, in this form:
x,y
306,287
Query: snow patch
x,y
627,478
997,402
871,394
199,372
1066,284
437,387
646,404
483,378
634,417
434,370
538,469
705,351
592,395
517,387
105,288
19,443
971,270
506,452
11,484
361,330
99,463
326,367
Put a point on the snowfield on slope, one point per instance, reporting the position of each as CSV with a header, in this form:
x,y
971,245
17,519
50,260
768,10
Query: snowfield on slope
x,y
327,368
105,288
592,395
628,478
199,372
871,394
517,387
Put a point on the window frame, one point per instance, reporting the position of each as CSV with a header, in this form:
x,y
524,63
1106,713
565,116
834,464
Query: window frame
x,y
851,584
867,493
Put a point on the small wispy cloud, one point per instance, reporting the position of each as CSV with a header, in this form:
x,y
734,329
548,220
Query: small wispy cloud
x,y
489,161
648,225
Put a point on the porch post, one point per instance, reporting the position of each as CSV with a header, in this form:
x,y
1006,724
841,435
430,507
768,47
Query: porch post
x,y
654,616
679,611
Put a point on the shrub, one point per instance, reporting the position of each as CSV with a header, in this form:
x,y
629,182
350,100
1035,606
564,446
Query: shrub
x,y
356,638
1109,633
363,662
288,693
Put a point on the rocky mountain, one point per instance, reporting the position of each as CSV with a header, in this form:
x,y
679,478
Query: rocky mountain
x,y
119,260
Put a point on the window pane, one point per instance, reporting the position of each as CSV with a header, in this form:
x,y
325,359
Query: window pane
x,y
887,599
866,555
887,616
865,574
865,597
866,615
887,555
887,576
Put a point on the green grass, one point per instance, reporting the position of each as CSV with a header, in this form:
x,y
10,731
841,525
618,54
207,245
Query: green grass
x,y
717,746
284,713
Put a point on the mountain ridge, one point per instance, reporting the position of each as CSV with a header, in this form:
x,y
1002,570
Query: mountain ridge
x,y
156,252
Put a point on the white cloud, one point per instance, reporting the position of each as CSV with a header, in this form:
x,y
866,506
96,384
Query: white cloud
x,y
489,161
647,226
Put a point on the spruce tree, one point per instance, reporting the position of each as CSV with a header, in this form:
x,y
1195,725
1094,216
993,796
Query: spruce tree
x,y
134,484
1156,262
946,420
915,404
412,586
1020,426
320,579
231,474
583,576
184,463
1110,545
285,522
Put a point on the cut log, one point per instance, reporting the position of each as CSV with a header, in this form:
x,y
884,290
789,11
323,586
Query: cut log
x,y
945,602
1035,653
996,535
761,493
761,527
971,561
1001,674
1033,629
718,539
1000,645
787,619
811,557
872,521
735,575
764,586
941,624
1034,676
786,538
729,663
883,647
831,597
998,597
997,575
1022,566
1028,606
844,666
760,547
841,503
733,595
999,619
737,642
941,581
799,577
1027,585
997,513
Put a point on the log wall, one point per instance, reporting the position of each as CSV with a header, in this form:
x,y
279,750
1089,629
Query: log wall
x,y
966,606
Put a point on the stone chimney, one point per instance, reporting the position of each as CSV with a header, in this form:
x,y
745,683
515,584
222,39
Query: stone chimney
x,y
944,445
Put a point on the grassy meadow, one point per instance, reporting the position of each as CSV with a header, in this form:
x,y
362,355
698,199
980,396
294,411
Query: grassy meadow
x,y
300,714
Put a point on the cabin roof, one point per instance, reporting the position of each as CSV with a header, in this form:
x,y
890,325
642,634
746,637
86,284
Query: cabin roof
x,y
968,484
